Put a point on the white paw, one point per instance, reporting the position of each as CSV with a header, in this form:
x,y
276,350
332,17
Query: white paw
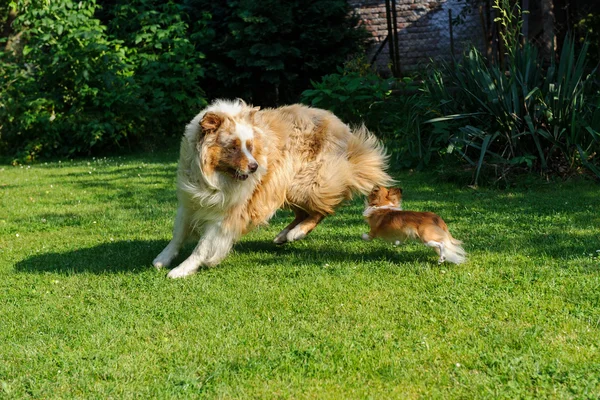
x,y
179,273
295,234
162,261
281,238
441,260
365,236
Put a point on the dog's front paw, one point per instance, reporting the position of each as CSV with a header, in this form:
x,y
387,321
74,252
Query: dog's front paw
x,y
162,260
365,236
159,263
179,273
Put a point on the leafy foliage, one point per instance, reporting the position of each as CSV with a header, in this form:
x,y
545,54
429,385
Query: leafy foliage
x,y
521,116
78,87
269,51
349,95
166,65
99,74
69,89
588,27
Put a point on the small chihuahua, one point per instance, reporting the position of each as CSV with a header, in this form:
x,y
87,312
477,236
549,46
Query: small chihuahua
x,y
387,221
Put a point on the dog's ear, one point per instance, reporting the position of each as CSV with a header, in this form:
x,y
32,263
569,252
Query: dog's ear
x,y
252,113
395,195
211,122
375,189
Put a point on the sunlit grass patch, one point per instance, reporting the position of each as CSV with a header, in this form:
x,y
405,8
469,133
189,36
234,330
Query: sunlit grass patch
x,y
83,314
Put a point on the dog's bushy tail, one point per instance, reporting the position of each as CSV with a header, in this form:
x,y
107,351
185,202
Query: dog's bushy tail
x,y
368,161
453,250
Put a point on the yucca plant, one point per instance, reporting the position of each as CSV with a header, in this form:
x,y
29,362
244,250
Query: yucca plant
x,y
568,109
519,116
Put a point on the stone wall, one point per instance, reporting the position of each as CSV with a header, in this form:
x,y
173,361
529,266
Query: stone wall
x,y
423,30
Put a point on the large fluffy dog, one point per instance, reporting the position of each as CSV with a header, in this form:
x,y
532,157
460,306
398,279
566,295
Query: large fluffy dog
x,y
239,164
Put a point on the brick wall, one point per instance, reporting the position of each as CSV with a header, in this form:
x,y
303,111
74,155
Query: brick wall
x,y
423,30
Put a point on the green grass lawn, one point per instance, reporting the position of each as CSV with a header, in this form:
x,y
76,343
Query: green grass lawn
x,y
84,315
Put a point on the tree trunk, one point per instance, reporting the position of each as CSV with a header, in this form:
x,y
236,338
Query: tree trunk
x,y
548,44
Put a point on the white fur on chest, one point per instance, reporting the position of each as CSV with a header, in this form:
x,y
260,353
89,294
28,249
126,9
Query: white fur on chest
x,y
371,209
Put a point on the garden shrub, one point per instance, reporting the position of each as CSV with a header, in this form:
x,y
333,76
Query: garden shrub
x,y
99,74
522,116
69,89
75,89
268,51
167,68
350,95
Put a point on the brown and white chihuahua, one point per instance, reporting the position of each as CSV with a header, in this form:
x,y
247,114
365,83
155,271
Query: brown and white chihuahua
x,y
387,221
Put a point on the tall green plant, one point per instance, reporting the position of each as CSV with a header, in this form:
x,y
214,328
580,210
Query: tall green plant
x,y
519,116
79,87
350,95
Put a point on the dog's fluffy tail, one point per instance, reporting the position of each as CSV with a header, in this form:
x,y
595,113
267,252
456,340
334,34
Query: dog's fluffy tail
x,y
453,251
368,161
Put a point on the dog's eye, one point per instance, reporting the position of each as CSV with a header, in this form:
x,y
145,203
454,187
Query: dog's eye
x,y
249,146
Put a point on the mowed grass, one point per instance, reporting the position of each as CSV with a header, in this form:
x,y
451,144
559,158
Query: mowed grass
x,y
84,315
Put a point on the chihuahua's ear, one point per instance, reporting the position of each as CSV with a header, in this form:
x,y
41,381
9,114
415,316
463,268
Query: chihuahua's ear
x,y
395,195
211,122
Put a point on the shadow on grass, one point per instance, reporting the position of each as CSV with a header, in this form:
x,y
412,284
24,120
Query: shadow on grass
x,y
265,253
115,257
136,256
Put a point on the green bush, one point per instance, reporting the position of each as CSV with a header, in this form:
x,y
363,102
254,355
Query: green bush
x,y
350,95
77,87
269,51
69,90
167,68
522,116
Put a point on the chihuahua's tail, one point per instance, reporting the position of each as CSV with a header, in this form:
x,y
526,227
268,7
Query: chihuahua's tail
x,y
453,250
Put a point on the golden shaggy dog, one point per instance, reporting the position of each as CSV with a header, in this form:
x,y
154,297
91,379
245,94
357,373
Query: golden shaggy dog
x,y
239,164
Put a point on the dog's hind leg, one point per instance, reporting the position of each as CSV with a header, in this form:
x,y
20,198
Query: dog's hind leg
x,y
281,237
180,233
303,228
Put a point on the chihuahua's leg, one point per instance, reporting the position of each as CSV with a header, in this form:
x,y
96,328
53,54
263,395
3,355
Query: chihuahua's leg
x,y
439,248
367,237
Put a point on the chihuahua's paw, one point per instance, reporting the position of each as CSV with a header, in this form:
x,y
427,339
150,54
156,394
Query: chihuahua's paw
x,y
365,236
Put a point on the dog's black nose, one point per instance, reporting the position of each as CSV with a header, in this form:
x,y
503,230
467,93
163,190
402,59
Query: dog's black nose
x,y
252,166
